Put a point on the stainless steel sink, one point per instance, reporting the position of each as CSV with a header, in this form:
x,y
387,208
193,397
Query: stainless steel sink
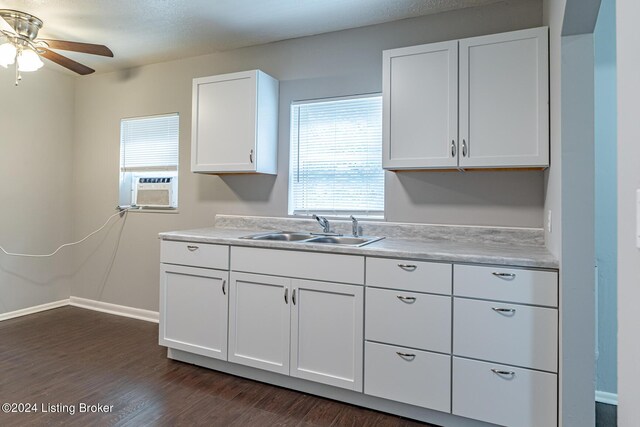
x,y
344,240
300,237
283,236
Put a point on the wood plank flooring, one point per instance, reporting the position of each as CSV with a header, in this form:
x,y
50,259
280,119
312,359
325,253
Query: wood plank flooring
x,y
68,356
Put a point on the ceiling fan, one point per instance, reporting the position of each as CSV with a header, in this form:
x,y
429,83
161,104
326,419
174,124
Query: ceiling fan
x,y
23,46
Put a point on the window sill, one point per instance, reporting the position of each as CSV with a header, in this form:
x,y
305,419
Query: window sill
x,y
134,209
340,217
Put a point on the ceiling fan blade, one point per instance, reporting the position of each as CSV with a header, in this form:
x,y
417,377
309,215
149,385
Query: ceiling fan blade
x,y
66,62
93,49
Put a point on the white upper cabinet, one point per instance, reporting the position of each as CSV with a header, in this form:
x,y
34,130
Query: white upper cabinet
x,y
481,102
235,123
420,106
504,100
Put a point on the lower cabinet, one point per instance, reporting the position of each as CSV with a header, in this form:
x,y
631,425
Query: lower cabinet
x,y
193,310
259,321
327,333
303,328
407,375
503,394
481,343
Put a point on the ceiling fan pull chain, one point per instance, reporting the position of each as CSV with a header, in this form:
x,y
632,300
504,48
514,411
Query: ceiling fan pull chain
x,y
18,75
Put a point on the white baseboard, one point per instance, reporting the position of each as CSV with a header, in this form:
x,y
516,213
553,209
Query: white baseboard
x,y
606,397
120,310
32,310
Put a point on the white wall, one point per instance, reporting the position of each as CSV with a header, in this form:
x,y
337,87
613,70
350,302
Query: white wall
x,y
577,289
553,16
628,57
36,145
569,193
332,64
606,211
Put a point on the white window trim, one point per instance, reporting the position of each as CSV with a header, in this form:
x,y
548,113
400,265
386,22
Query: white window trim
x,y
144,169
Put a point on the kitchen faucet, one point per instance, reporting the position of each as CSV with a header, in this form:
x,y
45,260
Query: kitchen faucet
x,y
324,223
354,227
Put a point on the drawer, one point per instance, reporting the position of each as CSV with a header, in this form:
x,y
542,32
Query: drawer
x,y
506,333
514,397
419,378
408,319
506,284
417,276
195,254
299,264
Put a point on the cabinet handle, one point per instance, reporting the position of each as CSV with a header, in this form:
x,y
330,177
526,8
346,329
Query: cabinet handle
x,y
501,372
408,267
464,148
503,310
224,291
286,295
409,356
293,297
504,275
193,248
453,148
251,155
406,299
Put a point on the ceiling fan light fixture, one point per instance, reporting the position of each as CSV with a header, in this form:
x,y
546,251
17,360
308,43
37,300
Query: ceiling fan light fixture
x,y
7,54
29,60
20,43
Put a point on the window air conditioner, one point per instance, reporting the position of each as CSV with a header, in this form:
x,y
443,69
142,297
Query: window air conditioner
x,y
155,192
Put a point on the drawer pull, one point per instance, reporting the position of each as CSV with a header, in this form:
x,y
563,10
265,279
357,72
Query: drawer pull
x,y
504,310
408,356
503,373
408,267
504,275
406,299
286,295
293,297
224,291
193,248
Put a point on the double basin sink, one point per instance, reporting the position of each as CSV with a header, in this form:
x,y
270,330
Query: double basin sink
x,y
327,239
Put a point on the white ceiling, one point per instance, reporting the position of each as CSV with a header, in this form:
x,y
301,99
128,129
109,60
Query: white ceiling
x,y
148,31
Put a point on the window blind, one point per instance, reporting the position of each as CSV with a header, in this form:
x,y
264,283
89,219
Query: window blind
x,y
336,157
149,143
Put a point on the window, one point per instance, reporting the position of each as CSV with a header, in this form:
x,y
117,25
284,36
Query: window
x,y
336,157
149,161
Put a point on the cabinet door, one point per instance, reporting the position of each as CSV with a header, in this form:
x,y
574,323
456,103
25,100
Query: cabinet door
x,y
420,106
504,100
224,123
259,321
193,310
327,333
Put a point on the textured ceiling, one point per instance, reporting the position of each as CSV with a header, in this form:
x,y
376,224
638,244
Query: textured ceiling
x,y
147,31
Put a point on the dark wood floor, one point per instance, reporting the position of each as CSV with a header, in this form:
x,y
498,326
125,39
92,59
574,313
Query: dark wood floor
x,y
69,356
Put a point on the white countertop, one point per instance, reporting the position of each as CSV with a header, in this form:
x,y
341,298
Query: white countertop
x,y
495,253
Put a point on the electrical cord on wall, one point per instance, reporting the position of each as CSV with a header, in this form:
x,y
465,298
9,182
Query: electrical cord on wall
x,y
120,212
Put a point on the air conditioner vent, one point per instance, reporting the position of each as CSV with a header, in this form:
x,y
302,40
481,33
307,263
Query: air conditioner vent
x,y
155,192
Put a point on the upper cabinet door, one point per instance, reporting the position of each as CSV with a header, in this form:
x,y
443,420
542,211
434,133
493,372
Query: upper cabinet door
x,y
234,123
420,112
504,100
